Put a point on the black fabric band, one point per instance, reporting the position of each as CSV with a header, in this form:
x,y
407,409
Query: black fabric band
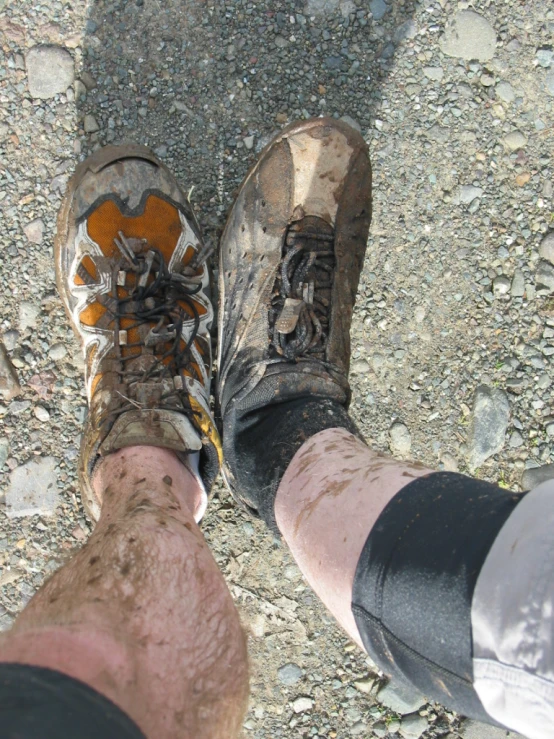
x,y
263,442
415,579
37,703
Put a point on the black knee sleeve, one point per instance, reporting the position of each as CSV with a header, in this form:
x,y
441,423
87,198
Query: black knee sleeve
x,y
415,579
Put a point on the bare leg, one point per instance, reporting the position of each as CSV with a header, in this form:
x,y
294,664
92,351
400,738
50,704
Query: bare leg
x,y
142,613
327,503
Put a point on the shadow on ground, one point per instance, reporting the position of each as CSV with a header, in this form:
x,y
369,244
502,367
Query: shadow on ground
x,y
206,84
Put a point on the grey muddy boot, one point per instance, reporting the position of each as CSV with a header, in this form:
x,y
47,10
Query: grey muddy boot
x,y
290,261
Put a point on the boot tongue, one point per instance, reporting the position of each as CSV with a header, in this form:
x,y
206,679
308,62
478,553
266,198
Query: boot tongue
x,y
159,428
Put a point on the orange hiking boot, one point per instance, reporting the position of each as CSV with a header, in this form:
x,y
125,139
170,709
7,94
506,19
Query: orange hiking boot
x,y
131,270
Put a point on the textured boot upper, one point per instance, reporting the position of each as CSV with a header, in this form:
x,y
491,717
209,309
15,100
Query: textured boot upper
x,y
315,173
132,272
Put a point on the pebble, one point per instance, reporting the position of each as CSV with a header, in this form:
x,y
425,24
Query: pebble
x,y
433,73
301,704
50,71
515,140
365,686
544,57
468,193
501,285
33,488
449,462
41,413
536,475
546,248
360,367
378,9
379,729
505,92
34,231
489,421
469,35
351,122
400,439
544,278
400,699
515,440
4,451
57,351
413,726
549,83
10,339
518,284
249,142
28,315
90,124
289,674
9,382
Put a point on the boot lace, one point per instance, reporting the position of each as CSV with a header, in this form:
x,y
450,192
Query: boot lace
x,y
301,299
157,302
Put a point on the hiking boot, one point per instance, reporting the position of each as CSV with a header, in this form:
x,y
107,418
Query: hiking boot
x,y
290,262
131,270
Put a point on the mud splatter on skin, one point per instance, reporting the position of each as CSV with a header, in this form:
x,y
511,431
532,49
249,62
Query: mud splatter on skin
x,y
333,492
168,481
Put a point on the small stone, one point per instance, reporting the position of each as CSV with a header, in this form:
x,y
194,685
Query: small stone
x,y
249,142
281,42
281,117
518,284
544,278
549,82
400,439
419,314
505,92
469,35
523,178
352,123
88,80
90,124
378,9
487,80
33,488
365,686
50,71
360,367
161,151
501,285
433,73
515,440
399,699
379,729
28,315
546,249
544,57
515,140
17,407
413,726
302,704
10,339
449,462
57,352
489,421
9,383
41,413
34,231
468,193
537,475
4,451
289,674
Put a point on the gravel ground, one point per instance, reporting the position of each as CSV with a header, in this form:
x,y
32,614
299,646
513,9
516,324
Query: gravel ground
x,y
454,327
